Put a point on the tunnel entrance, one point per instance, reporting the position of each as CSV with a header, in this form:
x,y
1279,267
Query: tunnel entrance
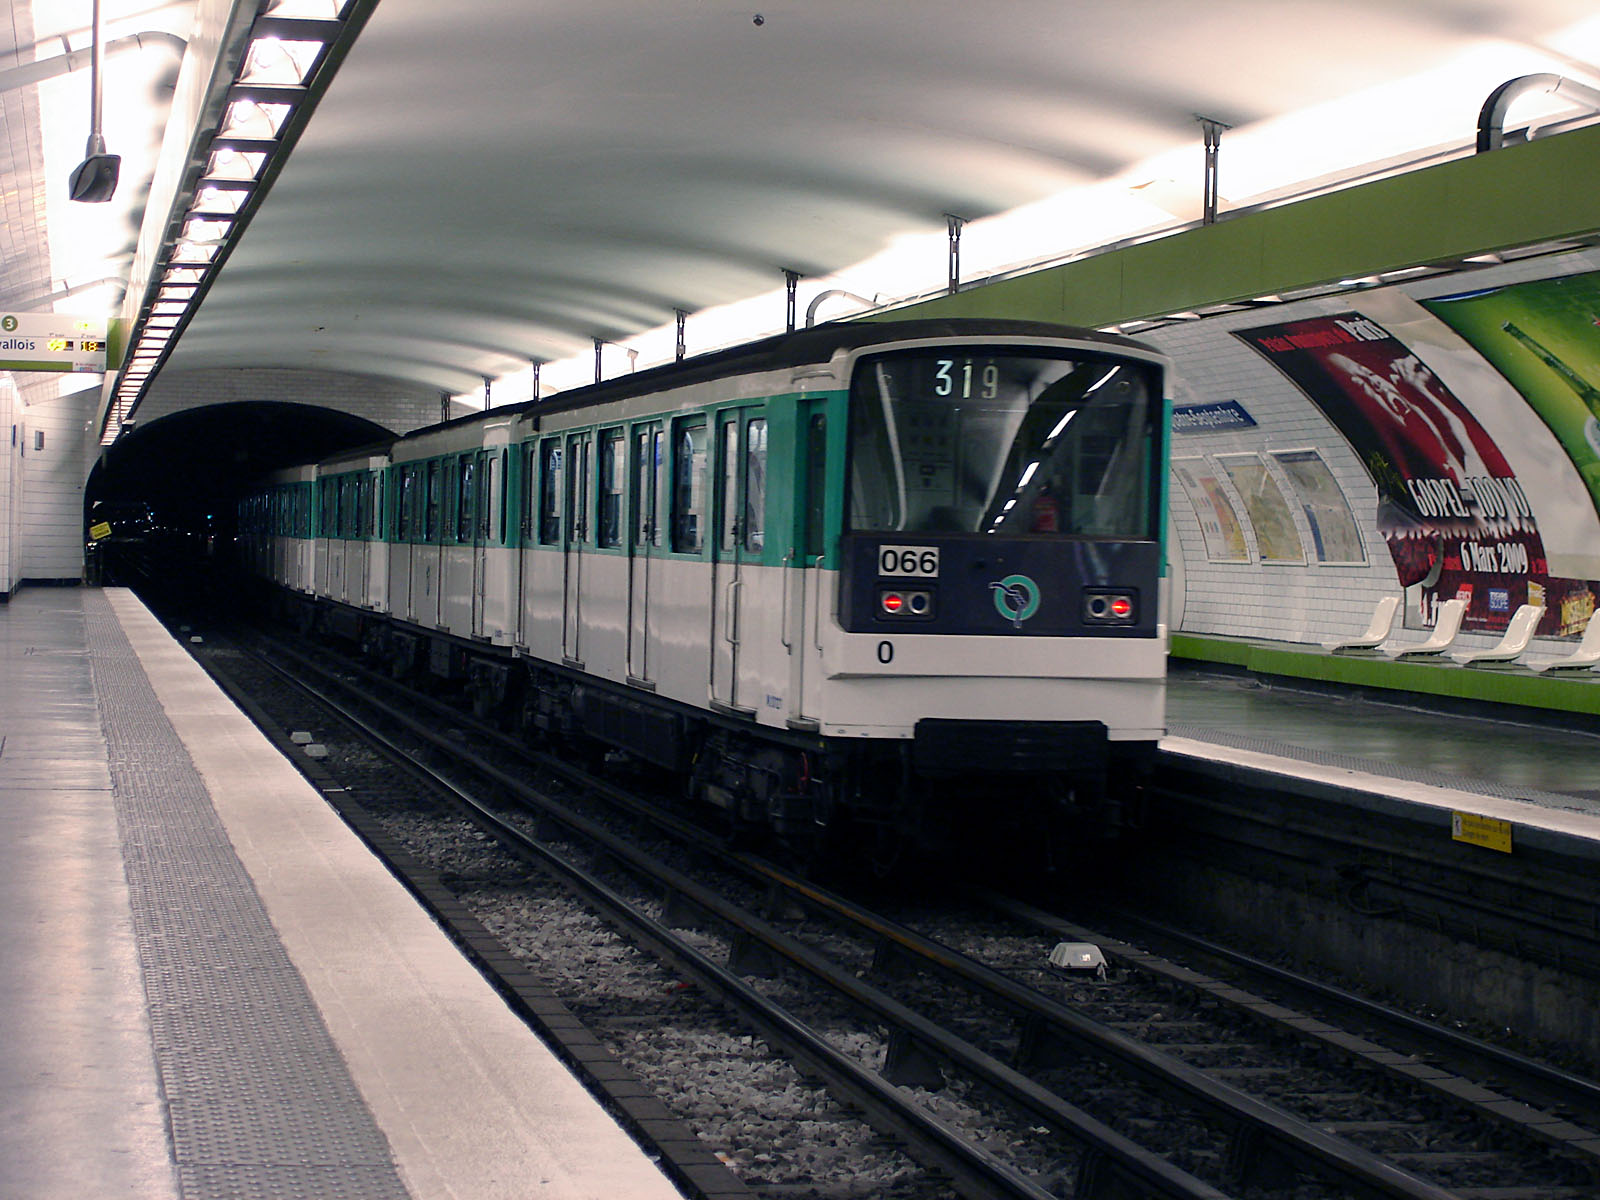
x,y
170,490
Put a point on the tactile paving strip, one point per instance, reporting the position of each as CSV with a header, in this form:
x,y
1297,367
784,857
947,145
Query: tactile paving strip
x,y
1350,762
259,1101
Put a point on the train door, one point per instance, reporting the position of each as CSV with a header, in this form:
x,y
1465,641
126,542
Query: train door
x,y
482,508
644,544
803,564
738,485
579,461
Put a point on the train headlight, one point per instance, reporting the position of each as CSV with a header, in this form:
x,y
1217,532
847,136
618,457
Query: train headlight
x,y
1110,608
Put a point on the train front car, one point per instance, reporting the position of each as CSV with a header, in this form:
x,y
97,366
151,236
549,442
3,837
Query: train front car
x,y
997,653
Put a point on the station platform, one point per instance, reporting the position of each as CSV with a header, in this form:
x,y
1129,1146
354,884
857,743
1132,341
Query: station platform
x,y
211,987
1516,746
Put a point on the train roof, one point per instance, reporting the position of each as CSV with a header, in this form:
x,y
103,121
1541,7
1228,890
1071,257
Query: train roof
x,y
786,350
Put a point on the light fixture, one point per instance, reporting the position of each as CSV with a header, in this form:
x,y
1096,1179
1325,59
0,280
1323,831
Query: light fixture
x,y
283,68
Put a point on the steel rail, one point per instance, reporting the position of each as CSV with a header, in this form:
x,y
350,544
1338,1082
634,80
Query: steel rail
x,y
1252,1122
1110,1160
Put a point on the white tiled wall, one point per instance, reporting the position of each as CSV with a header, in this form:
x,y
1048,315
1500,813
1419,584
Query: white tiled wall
x,y
1313,602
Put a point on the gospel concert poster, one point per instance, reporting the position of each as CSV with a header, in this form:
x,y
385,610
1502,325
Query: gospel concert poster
x,y
1450,509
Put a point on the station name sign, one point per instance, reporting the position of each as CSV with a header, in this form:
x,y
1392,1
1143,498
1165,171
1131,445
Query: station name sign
x,y
52,342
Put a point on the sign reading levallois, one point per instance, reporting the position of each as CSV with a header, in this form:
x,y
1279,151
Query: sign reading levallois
x,y
52,342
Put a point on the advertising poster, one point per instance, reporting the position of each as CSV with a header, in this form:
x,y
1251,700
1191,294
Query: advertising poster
x,y
1545,338
1334,535
1451,511
1276,537
1219,523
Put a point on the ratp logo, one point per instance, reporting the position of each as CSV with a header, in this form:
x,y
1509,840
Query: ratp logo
x,y
9,324
1016,598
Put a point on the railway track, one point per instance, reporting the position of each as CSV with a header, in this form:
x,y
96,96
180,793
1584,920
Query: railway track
x,y
951,1034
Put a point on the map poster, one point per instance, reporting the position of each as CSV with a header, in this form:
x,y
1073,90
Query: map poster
x,y
1219,523
1334,535
1450,509
1276,536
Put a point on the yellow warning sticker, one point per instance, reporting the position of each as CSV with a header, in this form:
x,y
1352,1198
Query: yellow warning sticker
x,y
1487,832
100,531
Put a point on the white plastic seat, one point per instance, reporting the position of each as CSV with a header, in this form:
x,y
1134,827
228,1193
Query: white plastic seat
x,y
1585,656
1445,628
1377,630
1519,631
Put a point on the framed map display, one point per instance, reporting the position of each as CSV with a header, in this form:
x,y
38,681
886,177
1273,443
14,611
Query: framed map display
x,y
1276,536
1335,539
1219,523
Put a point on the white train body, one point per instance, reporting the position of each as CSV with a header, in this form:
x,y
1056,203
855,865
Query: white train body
x,y
786,571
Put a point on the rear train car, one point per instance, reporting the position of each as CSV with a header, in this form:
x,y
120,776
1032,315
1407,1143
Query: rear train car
x,y
882,578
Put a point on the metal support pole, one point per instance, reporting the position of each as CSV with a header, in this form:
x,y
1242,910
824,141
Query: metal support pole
x,y
792,281
488,393
683,320
954,224
444,407
535,382
1213,134
598,346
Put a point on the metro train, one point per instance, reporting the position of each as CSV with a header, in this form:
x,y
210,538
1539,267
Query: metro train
x,y
856,585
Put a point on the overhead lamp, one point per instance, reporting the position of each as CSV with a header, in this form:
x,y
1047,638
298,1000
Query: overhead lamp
x,y
219,200
95,178
277,61
183,275
172,292
254,119
237,165
200,229
194,252
169,308
310,10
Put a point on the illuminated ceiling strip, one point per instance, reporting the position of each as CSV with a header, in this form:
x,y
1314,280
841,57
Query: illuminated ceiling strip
x,y
293,51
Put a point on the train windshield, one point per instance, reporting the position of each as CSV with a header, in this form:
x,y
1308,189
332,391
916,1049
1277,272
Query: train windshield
x,y
948,440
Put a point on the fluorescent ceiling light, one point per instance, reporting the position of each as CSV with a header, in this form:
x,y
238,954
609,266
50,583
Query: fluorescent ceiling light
x,y
253,119
237,165
197,229
277,61
316,10
226,201
183,275
193,252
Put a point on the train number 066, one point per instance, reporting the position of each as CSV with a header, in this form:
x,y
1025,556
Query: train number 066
x,y
921,561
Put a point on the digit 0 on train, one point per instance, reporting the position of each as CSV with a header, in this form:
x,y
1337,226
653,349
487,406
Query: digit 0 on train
x,y
853,584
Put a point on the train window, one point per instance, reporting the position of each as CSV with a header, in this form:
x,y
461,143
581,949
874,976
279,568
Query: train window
x,y
406,511
816,484
466,497
755,484
484,512
613,479
728,475
432,526
503,498
579,453
1014,443
647,464
689,485
550,493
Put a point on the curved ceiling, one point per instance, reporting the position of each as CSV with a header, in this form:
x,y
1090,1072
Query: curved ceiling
x,y
487,185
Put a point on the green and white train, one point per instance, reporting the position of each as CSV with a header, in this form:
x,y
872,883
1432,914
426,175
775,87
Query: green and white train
x,y
853,579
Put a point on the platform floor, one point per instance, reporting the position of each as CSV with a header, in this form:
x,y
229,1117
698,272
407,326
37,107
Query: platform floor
x,y
1502,751
211,988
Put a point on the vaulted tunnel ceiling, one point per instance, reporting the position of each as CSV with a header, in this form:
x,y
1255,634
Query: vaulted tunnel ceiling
x,y
483,186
